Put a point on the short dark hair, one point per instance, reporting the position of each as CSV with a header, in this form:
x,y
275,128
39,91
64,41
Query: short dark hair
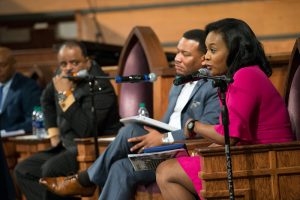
x,y
197,35
74,43
243,46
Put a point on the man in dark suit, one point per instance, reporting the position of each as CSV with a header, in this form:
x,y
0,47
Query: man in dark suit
x,y
113,170
67,107
18,95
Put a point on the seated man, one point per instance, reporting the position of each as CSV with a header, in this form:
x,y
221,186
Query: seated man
x,y
18,96
113,170
67,109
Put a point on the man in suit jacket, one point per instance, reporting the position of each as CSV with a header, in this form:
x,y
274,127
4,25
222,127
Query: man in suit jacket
x,y
18,95
113,170
67,107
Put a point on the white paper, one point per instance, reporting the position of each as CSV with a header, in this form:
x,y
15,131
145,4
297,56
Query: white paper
x,y
148,121
12,133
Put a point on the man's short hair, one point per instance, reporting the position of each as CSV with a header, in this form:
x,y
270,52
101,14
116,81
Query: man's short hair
x,y
74,43
197,35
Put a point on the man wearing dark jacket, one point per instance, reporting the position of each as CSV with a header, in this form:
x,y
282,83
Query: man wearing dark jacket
x,y
67,106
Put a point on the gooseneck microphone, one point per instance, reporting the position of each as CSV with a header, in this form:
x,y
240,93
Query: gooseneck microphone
x,y
83,74
136,78
179,80
204,74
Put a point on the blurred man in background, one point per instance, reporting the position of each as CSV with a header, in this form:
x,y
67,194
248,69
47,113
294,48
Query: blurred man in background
x,y
18,96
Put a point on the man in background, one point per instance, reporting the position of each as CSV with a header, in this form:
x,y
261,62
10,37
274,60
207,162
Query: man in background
x,y
18,96
67,107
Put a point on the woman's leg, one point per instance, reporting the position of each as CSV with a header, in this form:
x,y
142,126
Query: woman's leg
x,y
173,182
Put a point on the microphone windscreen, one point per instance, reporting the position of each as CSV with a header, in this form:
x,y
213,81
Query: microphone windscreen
x,y
152,77
204,72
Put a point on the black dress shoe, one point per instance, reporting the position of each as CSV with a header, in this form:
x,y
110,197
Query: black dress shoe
x,y
67,186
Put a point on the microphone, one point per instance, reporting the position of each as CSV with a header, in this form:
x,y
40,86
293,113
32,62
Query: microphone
x,y
179,80
83,74
78,75
136,78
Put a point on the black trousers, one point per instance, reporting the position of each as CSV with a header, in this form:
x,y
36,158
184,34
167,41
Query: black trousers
x,y
56,161
7,190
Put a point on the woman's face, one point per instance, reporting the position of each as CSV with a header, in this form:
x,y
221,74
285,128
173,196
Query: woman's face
x,y
216,55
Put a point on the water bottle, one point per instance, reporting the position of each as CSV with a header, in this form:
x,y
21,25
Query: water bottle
x,y
143,110
40,130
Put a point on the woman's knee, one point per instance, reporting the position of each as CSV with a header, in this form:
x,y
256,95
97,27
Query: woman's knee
x,y
166,171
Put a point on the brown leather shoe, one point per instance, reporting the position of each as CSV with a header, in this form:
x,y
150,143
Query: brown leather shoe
x,y
67,186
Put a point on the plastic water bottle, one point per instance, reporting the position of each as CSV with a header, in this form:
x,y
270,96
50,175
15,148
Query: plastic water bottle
x,y
39,123
143,110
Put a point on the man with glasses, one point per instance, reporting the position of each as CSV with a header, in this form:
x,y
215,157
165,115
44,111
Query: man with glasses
x,y
18,96
67,106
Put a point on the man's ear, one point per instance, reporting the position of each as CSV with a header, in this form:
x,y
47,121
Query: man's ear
x,y
202,58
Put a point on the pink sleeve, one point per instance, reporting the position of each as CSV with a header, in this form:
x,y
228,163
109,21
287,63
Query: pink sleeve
x,y
241,101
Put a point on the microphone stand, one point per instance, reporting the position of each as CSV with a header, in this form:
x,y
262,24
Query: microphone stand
x,y
91,80
94,115
222,82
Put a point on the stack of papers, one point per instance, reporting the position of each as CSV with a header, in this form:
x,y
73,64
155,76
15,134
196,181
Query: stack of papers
x,y
149,122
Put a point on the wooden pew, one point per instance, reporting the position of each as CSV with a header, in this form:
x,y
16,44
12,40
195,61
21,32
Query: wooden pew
x,y
259,172
268,171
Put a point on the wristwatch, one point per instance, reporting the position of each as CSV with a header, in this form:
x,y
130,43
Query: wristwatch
x,y
166,139
191,125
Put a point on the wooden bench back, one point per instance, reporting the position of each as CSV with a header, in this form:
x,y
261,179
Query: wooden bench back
x,y
270,172
293,89
141,54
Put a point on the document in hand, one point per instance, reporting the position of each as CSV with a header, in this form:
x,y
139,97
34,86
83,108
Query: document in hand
x,y
152,157
149,122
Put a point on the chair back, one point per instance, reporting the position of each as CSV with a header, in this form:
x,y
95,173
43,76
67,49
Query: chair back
x,y
293,89
142,54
